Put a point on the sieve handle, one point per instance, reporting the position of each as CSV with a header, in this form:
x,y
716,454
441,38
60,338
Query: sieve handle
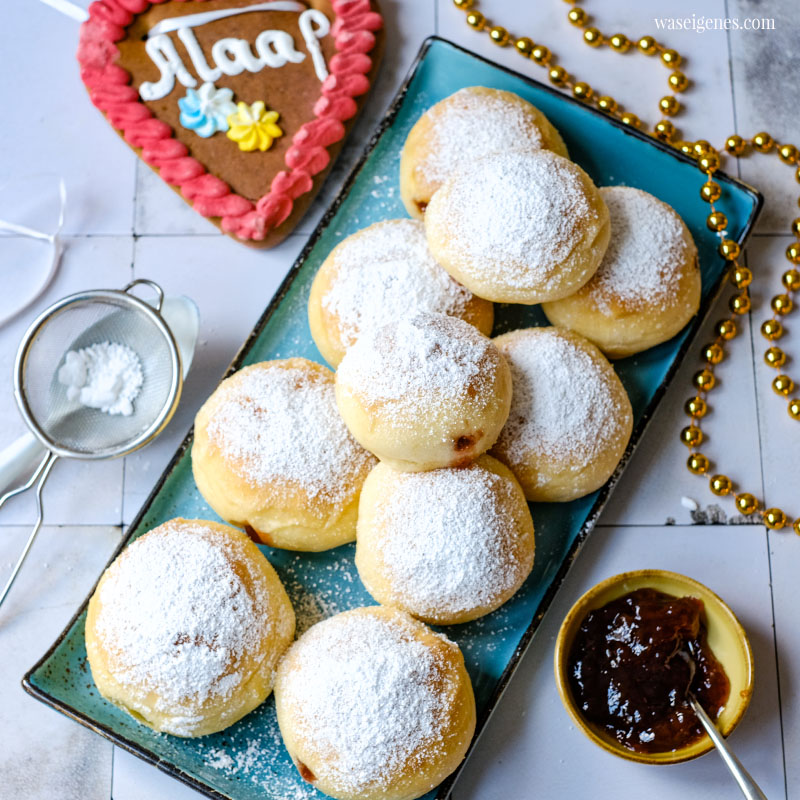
x,y
153,285
19,459
39,477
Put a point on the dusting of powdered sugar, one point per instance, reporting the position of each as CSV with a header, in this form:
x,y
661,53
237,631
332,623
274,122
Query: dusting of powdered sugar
x,y
178,622
646,252
384,270
469,125
448,539
366,693
413,358
513,216
562,404
280,424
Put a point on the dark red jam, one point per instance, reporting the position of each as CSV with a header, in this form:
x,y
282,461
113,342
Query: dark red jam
x,y
628,677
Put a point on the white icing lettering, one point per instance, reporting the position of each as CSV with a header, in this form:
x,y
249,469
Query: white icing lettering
x,y
233,56
164,55
206,73
204,17
312,36
275,48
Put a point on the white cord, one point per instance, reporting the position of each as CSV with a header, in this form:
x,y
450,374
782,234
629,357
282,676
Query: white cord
x,y
70,9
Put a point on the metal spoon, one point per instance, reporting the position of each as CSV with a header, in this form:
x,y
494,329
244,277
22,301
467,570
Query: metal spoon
x,y
749,787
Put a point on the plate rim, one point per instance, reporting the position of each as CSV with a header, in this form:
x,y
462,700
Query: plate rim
x,y
444,788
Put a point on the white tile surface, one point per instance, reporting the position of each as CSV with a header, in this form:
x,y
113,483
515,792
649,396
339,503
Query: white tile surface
x,y
529,748
44,755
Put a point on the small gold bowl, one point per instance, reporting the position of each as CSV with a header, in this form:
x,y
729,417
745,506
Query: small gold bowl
x,y
726,638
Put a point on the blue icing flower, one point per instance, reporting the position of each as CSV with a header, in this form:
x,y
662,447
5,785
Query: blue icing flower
x,y
206,110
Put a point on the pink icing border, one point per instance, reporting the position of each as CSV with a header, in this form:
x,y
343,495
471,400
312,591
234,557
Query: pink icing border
x,y
110,91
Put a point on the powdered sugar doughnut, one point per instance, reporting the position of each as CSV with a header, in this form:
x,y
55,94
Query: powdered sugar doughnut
x,y
373,705
185,628
424,392
648,284
375,275
570,418
272,455
448,545
472,123
519,227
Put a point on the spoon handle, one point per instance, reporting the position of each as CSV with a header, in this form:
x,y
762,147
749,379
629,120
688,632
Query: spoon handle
x,y
746,783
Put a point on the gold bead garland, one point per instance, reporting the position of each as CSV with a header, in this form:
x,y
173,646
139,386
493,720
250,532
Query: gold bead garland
x,y
708,161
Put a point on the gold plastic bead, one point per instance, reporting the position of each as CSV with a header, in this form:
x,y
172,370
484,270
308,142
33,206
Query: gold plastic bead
x,y
499,35
582,91
669,105
797,178
709,162
720,485
607,103
664,130
763,142
774,519
710,191
735,145
691,436
578,17
795,226
793,252
781,304
726,328
678,82
729,249
741,277
740,303
620,42
593,37
698,464
541,55
775,357
704,380
687,148
558,75
794,408
746,503
696,407
648,45
476,20
783,385
463,4
671,58
630,119
702,147
713,353
791,280
788,153
524,46
796,526
772,329
717,221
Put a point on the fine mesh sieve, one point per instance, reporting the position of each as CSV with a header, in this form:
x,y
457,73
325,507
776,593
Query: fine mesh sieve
x,y
67,428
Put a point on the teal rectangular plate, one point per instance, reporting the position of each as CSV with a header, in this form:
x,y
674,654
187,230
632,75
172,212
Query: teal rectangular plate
x,y
248,760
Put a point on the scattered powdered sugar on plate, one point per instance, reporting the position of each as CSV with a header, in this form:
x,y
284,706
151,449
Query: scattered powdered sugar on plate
x,y
177,621
368,694
562,405
106,375
515,215
468,125
448,539
280,422
385,270
646,253
419,356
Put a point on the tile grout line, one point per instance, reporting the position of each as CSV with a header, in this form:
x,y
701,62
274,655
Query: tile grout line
x,y
760,451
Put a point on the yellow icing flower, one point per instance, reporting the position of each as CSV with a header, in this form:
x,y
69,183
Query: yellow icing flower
x,y
253,127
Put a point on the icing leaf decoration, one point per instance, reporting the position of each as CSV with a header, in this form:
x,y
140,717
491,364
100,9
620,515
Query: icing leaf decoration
x,y
253,127
206,110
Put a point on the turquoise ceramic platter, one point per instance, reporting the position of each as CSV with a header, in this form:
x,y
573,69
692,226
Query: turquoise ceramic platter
x,y
248,761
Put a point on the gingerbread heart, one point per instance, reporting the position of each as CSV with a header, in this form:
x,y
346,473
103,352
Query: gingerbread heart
x,y
240,106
